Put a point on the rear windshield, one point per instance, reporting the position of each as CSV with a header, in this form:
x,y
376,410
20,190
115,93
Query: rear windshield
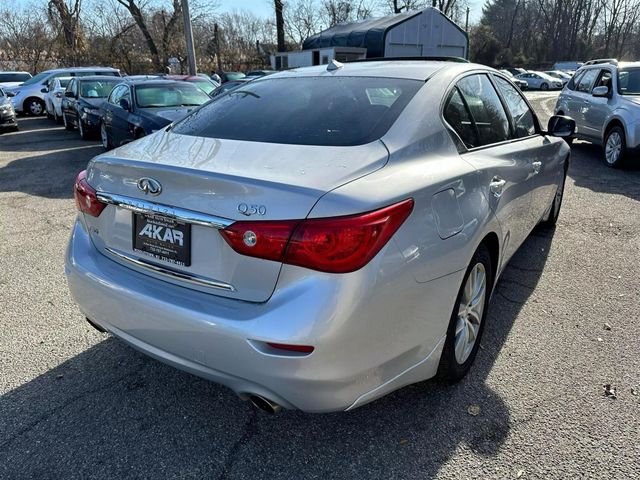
x,y
14,77
178,95
629,81
339,111
97,88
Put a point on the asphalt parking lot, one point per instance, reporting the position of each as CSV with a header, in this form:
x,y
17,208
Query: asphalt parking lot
x,y
563,322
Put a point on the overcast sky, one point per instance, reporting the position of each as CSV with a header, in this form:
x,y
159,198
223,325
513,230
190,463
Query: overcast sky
x,y
264,8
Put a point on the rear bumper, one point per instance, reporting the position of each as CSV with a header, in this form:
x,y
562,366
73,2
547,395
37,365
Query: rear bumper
x,y
362,351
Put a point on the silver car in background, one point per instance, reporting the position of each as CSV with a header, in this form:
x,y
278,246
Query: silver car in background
x,y
339,245
540,80
604,100
53,93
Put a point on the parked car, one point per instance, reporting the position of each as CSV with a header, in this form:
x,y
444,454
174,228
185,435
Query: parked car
x,y
319,240
29,97
515,71
53,97
231,76
567,66
82,103
604,100
139,108
559,75
522,85
13,79
540,80
7,113
259,73
225,87
204,84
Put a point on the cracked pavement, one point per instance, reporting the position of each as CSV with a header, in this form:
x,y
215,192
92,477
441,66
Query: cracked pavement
x,y
75,403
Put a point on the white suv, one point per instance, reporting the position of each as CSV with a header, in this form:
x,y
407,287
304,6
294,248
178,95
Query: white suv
x,y
29,96
603,98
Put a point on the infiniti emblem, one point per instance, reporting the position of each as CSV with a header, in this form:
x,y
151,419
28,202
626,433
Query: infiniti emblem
x,y
149,186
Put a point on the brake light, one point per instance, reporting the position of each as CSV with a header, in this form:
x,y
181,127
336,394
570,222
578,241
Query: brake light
x,y
292,348
86,198
334,245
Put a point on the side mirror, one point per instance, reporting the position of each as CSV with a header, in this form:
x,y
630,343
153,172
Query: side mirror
x,y
124,104
45,90
601,91
561,126
69,94
10,94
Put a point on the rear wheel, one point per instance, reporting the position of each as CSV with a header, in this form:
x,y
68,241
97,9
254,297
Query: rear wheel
x,y
615,145
467,319
554,211
544,86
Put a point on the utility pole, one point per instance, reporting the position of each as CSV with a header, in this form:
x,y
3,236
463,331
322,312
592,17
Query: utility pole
x,y
188,33
280,25
466,23
216,41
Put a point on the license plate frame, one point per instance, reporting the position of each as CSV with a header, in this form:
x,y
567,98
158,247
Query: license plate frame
x,y
162,238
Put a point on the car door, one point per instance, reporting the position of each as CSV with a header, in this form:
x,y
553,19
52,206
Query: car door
x,y
581,98
597,108
66,99
475,111
544,154
72,102
115,116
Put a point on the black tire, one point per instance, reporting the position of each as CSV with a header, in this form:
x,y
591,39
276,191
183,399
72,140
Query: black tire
x,y
612,160
450,370
544,86
34,106
85,134
67,124
104,137
556,204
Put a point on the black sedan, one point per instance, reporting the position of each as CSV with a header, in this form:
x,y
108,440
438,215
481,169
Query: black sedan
x,y
82,101
225,87
139,108
7,113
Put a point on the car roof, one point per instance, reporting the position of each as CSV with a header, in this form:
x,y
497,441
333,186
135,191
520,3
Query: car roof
x,y
185,78
93,78
408,69
158,82
81,69
14,71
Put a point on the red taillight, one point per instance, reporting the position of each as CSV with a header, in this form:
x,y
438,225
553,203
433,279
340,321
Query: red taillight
x,y
334,245
85,195
292,348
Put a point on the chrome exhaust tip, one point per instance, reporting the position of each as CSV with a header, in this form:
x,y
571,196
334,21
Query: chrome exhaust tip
x,y
265,404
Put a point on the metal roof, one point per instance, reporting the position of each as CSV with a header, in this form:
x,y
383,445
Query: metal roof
x,y
369,34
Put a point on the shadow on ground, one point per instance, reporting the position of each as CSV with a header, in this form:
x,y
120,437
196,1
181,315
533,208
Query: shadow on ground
x,y
111,412
589,171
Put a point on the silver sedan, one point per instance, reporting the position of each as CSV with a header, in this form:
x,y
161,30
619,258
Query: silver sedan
x,y
320,237
540,80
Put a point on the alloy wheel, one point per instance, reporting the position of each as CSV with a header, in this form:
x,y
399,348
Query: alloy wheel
x,y
35,107
613,148
470,312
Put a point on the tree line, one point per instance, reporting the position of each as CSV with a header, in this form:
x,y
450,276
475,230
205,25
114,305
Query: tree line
x,y
146,36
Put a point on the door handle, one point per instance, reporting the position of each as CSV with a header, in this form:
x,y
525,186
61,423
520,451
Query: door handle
x,y
496,186
536,167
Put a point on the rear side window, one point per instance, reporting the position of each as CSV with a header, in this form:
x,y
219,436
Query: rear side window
x,y
575,80
457,115
520,112
586,81
486,109
338,111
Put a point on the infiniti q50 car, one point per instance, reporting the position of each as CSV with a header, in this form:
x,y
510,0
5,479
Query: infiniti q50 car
x,y
319,237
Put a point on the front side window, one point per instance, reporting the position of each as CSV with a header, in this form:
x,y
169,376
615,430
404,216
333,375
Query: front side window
x,y
457,115
97,88
486,109
629,81
587,80
522,115
337,111
117,94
